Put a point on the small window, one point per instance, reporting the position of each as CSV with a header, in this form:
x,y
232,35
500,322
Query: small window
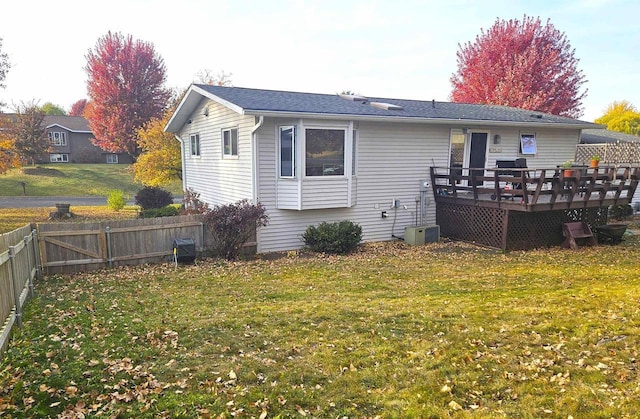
x,y
230,142
57,138
287,151
112,158
528,144
58,158
194,142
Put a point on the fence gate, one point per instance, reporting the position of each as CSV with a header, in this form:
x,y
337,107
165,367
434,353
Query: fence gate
x,y
77,247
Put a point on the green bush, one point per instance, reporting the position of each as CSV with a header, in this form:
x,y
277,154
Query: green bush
x,y
168,211
116,199
233,225
152,197
340,238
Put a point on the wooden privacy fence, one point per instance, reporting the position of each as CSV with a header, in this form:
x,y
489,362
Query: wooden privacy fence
x,y
79,247
19,265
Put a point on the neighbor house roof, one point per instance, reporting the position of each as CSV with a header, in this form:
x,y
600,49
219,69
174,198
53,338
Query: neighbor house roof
x,y
296,104
70,123
600,136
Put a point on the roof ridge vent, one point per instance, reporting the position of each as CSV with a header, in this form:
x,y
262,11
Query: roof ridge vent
x,y
386,106
352,97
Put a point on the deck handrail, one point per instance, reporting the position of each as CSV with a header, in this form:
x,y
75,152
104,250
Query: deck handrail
x,y
604,185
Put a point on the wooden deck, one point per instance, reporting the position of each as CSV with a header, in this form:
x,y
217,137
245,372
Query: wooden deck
x,y
532,190
520,209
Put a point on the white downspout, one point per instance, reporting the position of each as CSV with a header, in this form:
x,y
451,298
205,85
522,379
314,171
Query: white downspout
x,y
182,159
254,157
254,172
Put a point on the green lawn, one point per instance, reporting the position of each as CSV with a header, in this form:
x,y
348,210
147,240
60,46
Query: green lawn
x,y
73,180
443,330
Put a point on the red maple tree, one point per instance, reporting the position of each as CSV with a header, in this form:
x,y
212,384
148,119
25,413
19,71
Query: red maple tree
x,y
126,90
521,64
77,109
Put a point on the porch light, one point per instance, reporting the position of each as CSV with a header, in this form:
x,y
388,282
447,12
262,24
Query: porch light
x,y
497,139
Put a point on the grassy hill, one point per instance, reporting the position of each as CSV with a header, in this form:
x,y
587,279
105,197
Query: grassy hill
x,y
73,180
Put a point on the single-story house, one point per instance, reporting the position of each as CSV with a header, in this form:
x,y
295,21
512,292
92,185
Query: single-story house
x,y
598,141
312,157
70,140
605,136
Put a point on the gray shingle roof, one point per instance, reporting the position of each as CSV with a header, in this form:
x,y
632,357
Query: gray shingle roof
x,y
71,123
256,101
601,136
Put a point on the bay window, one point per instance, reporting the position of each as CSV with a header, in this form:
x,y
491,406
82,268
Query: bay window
x,y
324,152
287,151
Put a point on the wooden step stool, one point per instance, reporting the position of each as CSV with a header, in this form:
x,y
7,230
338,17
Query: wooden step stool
x,y
578,230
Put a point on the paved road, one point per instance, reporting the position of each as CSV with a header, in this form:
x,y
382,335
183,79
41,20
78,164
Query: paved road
x,y
50,201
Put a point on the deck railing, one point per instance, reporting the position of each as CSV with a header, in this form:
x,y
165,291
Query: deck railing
x,y
533,189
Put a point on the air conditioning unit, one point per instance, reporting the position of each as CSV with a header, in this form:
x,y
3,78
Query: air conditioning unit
x,y
416,235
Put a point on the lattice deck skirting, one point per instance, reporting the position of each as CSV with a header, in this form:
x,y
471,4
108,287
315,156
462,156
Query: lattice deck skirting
x,y
511,230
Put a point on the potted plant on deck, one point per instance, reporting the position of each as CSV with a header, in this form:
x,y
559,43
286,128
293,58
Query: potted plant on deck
x,y
567,166
595,160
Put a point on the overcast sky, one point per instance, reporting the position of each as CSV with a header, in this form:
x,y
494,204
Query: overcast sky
x,y
395,48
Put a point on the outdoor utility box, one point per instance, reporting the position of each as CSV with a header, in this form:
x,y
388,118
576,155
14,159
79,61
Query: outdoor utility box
x,y
421,234
184,250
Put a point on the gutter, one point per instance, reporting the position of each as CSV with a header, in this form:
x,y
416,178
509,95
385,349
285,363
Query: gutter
x,y
182,159
254,159
421,120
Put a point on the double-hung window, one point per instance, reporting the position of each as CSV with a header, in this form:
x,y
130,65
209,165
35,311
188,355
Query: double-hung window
x,y
287,151
194,145
230,142
58,138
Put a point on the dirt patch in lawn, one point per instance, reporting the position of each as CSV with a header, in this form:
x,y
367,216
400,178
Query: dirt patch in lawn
x,y
42,171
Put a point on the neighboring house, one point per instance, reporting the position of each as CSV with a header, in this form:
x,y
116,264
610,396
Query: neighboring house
x,y
594,138
310,158
605,136
70,140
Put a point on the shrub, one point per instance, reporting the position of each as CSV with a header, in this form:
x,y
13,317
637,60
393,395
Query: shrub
x,y
341,237
153,197
116,199
620,212
168,211
192,203
233,225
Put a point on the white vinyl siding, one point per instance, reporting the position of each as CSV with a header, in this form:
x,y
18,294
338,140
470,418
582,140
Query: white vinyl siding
x,y
219,181
391,160
385,171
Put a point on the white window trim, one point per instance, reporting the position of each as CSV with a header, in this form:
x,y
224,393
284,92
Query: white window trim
x,y
57,138
64,158
193,152
294,160
533,146
113,158
347,149
229,130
